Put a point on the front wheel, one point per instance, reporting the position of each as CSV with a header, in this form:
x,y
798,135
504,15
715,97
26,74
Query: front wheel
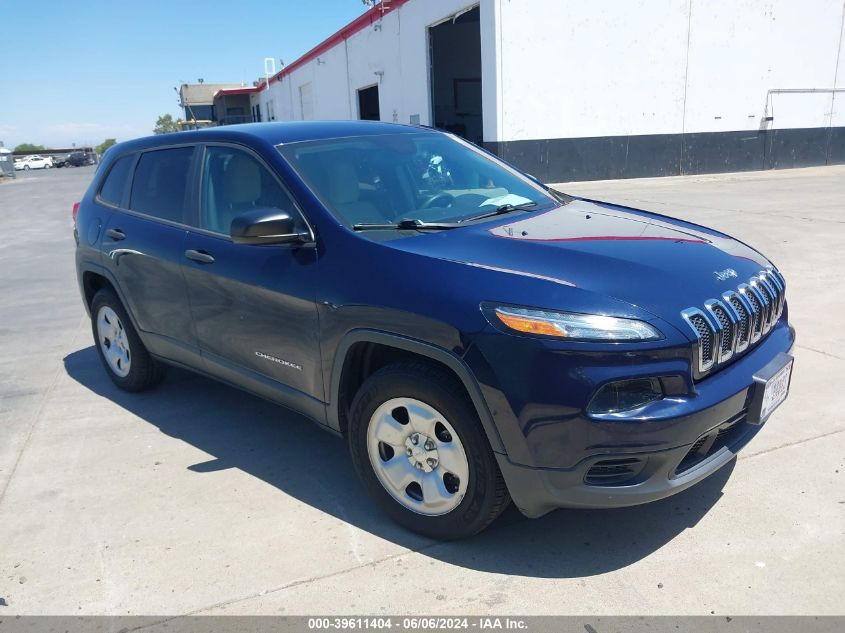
x,y
419,449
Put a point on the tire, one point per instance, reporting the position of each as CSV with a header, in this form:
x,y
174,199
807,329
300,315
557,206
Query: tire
x,y
26,167
410,403
130,365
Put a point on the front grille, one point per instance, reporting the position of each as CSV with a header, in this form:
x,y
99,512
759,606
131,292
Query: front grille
x,y
614,472
739,319
712,442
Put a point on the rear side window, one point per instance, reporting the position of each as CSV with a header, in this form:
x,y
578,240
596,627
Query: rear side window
x,y
115,184
161,183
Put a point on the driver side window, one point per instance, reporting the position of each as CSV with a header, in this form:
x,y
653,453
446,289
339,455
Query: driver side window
x,y
233,183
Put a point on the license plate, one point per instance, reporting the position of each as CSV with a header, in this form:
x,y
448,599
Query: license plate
x,y
777,388
771,386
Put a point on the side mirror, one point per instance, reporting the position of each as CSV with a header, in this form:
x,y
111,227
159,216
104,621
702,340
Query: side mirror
x,y
266,226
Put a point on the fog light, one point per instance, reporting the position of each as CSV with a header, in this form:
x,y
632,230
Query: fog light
x,y
624,395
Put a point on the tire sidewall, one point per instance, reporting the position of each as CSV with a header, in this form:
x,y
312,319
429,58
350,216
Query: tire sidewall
x,y
106,298
471,515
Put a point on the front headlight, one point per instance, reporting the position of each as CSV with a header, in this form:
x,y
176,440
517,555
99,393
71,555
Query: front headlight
x,y
575,327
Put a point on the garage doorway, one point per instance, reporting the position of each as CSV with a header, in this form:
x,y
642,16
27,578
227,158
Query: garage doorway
x,y
368,109
455,54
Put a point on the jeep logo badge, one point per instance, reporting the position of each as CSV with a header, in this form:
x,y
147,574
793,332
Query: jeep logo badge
x,y
728,273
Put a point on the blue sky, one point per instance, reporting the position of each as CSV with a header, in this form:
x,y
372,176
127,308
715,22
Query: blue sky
x,y
81,71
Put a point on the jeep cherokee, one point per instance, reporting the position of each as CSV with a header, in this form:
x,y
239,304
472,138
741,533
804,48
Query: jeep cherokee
x,y
476,336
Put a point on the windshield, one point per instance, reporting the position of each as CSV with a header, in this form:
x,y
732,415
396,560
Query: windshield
x,y
428,177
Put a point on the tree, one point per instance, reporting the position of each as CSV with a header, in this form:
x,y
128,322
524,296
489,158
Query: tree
x,y
102,147
165,124
29,147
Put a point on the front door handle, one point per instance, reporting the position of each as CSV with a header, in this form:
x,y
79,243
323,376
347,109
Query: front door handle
x,y
116,234
199,256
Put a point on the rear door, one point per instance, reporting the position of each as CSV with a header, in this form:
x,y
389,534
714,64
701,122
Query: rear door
x,y
144,243
253,306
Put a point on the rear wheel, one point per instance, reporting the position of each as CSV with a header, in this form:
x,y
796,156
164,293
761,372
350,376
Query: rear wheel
x,y
419,449
126,360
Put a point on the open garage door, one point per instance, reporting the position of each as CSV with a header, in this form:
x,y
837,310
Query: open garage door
x,y
456,75
368,106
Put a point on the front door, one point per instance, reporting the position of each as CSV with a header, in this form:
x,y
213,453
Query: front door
x,y
253,307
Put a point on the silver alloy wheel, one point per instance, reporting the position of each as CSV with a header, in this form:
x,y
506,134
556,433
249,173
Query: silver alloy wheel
x,y
417,456
113,341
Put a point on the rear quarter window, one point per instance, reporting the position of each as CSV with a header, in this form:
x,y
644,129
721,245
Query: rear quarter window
x,y
160,184
114,185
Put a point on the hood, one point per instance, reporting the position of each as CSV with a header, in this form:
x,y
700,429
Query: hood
x,y
649,261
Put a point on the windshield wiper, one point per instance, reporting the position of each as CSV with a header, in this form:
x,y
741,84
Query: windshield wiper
x,y
412,224
502,209
561,197
408,224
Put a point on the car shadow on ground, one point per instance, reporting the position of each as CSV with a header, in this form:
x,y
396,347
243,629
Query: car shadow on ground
x,y
294,455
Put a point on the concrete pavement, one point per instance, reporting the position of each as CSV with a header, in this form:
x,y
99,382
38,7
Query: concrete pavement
x,y
197,498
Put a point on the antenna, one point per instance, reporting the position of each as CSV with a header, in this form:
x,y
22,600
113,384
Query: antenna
x,y
384,5
269,69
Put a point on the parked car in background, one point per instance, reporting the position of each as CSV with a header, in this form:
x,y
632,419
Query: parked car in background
x,y
475,335
59,160
78,159
33,162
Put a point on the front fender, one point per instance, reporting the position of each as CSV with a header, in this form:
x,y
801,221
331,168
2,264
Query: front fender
x,y
437,354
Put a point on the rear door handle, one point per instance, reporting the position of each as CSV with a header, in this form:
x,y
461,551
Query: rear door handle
x,y
116,234
199,256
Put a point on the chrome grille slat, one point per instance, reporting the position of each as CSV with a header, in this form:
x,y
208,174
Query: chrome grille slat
x,y
774,297
742,316
756,309
777,283
738,320
726,327
765,302
706,334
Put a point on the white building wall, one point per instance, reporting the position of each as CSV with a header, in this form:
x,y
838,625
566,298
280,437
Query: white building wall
x,y
837,105
580,68
577,89
394,54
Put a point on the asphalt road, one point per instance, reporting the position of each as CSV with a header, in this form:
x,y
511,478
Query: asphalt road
x,y
197,498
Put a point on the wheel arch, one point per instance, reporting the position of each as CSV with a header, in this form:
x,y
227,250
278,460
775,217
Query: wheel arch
x,y
93,278
363,351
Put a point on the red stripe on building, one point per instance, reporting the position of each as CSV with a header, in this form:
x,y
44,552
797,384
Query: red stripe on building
x,y
372,16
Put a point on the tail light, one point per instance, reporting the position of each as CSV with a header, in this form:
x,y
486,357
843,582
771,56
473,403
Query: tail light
x,y
75,210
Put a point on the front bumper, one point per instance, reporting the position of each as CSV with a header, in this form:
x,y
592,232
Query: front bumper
x,y
666,456
536,491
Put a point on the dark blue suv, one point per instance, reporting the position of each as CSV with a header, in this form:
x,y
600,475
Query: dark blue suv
x,y
475,335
